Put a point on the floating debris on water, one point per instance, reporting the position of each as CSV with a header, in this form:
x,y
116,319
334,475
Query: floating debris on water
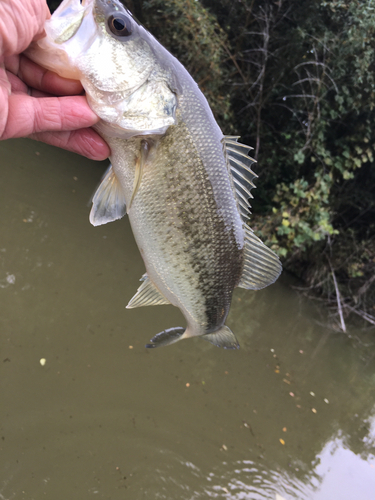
x,y
11,279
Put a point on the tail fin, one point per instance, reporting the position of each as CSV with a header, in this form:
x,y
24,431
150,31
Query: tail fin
x,y
224,337
167,337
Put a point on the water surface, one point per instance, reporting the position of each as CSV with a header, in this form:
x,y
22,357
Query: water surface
x,y
292,413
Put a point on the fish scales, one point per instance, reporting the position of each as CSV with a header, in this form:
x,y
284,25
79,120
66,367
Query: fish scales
x,y
184,185
193,256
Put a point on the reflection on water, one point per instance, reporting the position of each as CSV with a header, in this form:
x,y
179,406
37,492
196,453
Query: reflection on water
x,y
291,414
342,473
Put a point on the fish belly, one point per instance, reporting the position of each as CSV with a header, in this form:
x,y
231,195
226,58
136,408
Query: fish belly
x,y
190,244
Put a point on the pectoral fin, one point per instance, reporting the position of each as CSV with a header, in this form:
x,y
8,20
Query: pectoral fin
x,y
147,295
139,166
222,338
108,203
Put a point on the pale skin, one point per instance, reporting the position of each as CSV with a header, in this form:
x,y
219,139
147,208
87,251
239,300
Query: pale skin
x,y
34,102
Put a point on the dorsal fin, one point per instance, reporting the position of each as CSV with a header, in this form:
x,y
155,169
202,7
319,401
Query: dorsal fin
x,y
262,266
240,165
147,295
108,203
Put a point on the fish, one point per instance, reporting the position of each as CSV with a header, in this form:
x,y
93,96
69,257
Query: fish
x,y
184,185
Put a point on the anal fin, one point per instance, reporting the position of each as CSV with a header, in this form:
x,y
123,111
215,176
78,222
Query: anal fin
x,y
147,295
224,337
166,337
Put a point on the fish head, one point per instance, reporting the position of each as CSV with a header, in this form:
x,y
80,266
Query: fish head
x,y
118,62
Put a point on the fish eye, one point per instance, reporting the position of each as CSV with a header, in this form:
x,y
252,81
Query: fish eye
x,y
120,25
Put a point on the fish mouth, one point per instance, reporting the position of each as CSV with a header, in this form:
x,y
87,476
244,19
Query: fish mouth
x,y
49,51
65,21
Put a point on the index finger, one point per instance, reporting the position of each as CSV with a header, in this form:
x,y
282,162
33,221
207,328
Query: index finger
x,y
46,114
42,79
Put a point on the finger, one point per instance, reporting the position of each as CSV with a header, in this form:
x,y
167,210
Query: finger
x,y
42,79
20,22
38,93
28,115
85,142
19,87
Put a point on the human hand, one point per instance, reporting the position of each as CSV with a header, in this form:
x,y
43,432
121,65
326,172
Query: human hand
x,y
29,95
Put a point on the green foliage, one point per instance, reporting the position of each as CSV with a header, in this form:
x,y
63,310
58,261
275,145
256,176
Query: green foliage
x,y
53,4
194,36
303,216
303,87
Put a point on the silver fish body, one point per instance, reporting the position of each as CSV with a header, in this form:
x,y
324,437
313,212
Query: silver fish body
x,y
185,186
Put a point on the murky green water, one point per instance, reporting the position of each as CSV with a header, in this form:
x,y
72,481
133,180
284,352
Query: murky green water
x,y
292,413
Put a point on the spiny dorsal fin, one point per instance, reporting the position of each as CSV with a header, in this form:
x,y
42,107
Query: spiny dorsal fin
x,y
108,203
262,266
240,166
147,295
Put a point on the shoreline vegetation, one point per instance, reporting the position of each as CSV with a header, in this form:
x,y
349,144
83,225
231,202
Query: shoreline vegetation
x,y
296,80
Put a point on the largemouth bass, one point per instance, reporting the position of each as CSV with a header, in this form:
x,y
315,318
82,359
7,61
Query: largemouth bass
x,y
184,185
